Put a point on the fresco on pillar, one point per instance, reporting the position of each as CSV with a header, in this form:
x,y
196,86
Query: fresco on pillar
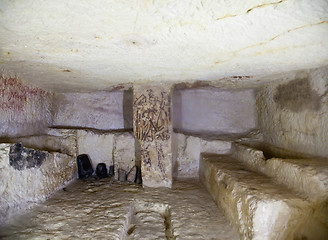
x,y
152,127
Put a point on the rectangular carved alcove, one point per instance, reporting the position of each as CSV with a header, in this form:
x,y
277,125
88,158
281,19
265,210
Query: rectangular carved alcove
x,y
149,221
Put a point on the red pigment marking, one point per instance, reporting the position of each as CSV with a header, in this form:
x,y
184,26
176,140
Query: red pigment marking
x,y
14,94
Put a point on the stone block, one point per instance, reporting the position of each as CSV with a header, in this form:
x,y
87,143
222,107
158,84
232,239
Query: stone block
x,y
123,152
308,177
21,158
253,158
29,176
258,207
187,150
122,175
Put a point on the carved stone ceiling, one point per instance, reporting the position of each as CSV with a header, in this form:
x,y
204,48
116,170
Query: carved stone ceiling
x,y
82,45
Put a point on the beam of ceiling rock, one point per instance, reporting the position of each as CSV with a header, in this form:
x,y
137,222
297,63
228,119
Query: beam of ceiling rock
x,y
95,45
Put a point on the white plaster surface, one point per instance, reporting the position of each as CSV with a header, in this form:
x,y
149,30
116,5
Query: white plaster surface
x,y
111,148
98,110
301,126
20,189
214,111
98,145
80,44
102,209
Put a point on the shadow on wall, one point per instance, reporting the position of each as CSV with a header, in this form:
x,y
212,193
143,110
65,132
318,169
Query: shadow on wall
x,y
128,109
294,115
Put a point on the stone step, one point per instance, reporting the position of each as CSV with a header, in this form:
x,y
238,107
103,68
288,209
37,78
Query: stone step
x,y
308,177
255,205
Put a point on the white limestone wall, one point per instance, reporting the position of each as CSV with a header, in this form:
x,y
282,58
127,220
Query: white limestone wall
x,y
294,115
21,188
24,110
186,152
99,146
116,149
214,111
97,110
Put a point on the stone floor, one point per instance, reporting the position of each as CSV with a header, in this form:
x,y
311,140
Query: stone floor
x,y
102,209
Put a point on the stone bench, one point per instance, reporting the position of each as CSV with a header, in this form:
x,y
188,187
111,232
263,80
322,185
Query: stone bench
x,y
308,177
258,207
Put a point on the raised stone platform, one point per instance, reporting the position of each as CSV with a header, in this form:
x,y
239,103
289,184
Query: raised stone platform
x,y
258,207
29,176
308,177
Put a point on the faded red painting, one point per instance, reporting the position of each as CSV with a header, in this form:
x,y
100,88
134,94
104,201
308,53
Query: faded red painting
x,y
14,95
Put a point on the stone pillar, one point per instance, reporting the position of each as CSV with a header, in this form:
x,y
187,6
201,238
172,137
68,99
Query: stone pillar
x,y
153,129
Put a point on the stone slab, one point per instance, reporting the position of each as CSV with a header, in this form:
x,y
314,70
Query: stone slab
x,y
308,177
258,207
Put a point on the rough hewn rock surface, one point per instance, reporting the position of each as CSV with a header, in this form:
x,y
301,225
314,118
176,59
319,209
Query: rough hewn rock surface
x,y
101,209
294,114
260,208
21,158
308,177
28,176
